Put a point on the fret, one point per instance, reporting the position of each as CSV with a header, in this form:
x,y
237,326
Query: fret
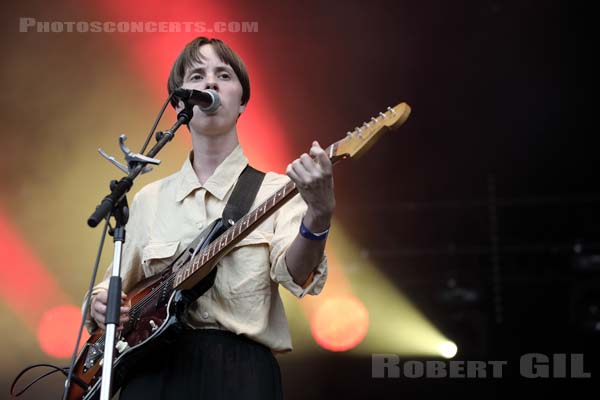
x,y
225,236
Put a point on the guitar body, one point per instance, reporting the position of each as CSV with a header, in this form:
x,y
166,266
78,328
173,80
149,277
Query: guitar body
x,y
156,317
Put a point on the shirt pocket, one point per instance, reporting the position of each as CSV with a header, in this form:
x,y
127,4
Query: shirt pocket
x,y
156,256
245,271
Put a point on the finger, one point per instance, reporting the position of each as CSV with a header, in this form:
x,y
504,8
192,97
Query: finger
x,y
293,175
101,296
321,158
316,147
100,308
100,319
304,177
311,167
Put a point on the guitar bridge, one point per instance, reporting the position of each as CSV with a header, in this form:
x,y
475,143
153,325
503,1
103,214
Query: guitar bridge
x,y
94,353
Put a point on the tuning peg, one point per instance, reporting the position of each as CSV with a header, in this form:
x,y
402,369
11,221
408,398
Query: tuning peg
x,y
390,109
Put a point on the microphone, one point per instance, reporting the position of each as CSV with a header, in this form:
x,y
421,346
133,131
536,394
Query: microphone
x,y
207,100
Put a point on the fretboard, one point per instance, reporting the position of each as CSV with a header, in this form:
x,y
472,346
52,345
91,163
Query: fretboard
x,y
184,277
242,228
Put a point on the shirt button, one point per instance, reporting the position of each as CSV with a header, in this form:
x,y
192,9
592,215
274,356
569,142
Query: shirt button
x,y
205,315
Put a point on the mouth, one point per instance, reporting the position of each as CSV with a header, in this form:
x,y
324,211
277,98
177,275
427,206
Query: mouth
x,y
210,113
211,109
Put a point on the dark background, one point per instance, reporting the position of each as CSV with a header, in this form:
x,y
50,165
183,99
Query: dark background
x,y
490,187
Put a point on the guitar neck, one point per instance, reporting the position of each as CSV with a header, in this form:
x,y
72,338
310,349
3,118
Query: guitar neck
x,y
185,276
355,142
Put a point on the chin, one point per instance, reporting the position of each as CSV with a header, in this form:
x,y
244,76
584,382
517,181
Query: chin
x,y
211,126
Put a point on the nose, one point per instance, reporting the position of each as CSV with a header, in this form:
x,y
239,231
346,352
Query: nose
x,y
211,82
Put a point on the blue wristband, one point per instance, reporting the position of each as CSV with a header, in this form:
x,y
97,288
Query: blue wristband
x,y
307,234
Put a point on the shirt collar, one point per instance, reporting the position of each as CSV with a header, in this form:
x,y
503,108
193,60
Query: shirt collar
x,y
219,182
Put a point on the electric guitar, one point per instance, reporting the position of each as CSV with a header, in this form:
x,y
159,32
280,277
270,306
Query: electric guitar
x,y
158,303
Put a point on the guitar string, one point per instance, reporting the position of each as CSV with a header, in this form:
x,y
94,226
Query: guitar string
x,y
210,248
218,243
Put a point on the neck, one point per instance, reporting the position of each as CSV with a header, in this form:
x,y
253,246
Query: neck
x,y
210,151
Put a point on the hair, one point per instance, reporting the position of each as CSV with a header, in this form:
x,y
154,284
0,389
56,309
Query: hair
x,y
191,54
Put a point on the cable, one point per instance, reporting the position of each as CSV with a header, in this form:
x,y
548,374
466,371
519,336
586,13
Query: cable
x,y
158,118
63,370
85,309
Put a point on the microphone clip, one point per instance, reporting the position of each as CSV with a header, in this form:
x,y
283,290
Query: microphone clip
x,y
131,158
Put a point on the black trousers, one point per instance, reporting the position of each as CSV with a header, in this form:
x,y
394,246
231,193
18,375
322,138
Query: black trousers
x,y
207,364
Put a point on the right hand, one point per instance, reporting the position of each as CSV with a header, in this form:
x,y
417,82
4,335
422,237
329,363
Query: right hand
x,y
98,309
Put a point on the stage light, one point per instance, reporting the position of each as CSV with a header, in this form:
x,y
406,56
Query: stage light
x,y
340,323
448,349
57,330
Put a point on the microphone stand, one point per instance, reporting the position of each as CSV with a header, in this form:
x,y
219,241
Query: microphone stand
x,y
115,205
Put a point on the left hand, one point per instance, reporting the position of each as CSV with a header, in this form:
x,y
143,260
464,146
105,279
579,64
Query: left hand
x,y
314,179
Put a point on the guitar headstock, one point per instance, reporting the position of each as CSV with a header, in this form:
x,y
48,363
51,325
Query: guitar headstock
x,y
361,138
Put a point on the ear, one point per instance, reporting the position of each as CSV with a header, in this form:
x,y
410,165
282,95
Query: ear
x,y
242,108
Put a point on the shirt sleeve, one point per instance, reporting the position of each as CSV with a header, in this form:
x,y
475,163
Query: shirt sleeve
x,y
131,260
287,225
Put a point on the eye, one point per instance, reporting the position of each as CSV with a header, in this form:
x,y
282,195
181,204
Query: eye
x,y
224,75
195,77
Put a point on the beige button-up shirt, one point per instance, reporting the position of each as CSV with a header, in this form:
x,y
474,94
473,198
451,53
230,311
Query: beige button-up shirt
x,y
167,215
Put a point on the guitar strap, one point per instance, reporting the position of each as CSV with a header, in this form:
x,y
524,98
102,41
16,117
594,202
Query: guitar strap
x,y
240,201
243,195
239,204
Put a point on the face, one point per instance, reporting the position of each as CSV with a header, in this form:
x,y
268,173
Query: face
x,y
212,73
